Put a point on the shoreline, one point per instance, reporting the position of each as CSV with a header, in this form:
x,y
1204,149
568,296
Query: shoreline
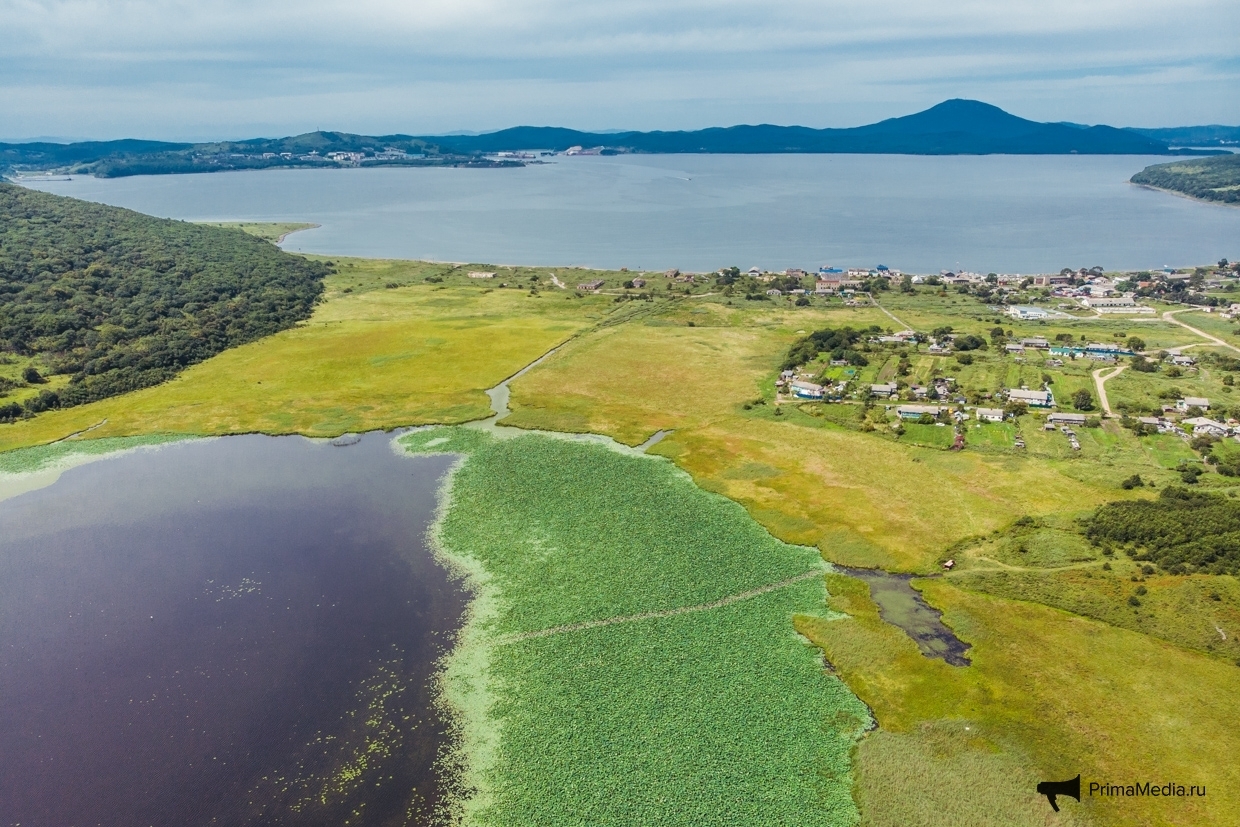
x,y
1179,194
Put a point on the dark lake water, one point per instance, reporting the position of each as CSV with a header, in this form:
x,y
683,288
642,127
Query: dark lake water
x,y
1006,213
234,631
901,605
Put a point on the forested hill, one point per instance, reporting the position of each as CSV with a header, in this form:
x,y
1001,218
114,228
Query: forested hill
x,y
116,300
954,127
1210,179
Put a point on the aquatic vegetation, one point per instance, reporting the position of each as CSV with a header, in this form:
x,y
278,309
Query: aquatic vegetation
x,y
711,711
40,457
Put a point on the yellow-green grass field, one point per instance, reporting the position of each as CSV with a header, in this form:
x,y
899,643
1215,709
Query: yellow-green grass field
x,y
376,359
862,499
1049,694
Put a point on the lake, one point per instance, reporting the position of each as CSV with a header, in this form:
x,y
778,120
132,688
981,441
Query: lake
x,y
700,212
230,631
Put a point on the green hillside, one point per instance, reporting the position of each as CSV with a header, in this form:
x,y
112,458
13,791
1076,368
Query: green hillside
x,y
1212,179
96,300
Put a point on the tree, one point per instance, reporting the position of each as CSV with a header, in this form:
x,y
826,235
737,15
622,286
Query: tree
x,y
1222,263
1136,343
32,376
1083,400
1016,408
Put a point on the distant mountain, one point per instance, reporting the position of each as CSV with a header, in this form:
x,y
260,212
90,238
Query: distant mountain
x,y
954,127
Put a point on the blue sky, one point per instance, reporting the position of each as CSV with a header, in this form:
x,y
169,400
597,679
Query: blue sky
x,y
229,69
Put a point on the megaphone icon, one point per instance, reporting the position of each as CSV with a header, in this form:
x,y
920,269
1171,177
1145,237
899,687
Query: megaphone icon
x,y
1050,789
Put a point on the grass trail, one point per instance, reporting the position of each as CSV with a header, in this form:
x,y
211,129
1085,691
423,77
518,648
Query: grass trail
x,y
701,607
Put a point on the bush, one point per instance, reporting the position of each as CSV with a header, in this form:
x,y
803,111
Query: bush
x,y
964,358
1132,482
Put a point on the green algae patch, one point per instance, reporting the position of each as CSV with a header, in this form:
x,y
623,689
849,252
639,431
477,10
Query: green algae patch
x,y
630,656
43,457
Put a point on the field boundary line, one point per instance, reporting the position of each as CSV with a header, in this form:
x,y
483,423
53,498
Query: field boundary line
x,y
701,607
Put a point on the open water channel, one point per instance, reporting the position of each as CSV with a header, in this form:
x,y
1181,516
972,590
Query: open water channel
x,y
229,631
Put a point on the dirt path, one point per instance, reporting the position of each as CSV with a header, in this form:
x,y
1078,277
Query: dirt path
x,y
1100,383
701,607
1170,316
893,316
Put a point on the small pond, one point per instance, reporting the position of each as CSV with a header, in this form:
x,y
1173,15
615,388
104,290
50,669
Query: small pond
x,y
230,631
901,605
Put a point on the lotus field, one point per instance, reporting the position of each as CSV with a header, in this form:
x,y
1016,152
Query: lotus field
x,y
630,657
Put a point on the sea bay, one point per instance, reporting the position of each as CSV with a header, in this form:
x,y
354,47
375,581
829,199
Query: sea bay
x,y
700,212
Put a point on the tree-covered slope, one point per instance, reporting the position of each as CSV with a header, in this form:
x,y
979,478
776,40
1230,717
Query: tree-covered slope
x,y
118,300
1213,179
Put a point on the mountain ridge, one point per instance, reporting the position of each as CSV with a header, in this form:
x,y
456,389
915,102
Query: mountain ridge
x,y
953,127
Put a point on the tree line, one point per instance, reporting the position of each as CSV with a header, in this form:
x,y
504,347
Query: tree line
x,y
118,300
1182,531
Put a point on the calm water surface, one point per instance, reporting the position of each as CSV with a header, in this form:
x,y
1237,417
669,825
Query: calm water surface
x,y
700,212
235,631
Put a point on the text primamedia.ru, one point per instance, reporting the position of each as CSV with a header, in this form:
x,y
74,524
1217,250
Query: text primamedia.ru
x,y
1168,790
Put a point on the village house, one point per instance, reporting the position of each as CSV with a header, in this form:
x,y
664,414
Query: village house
x,y
918,411
1034,399
1203,425
1011,348
807,390
1037,342
478,275
989,414
591,286
1183,361
1066,419
1187,402
888,389
639,282
1026,313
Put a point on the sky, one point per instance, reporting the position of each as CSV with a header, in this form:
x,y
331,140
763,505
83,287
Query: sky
x,y
177,70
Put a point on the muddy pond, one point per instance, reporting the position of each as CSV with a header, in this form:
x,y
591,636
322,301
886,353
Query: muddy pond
x,y
230,631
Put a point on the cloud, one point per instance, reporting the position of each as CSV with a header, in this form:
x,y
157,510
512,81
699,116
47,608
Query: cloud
x,y
227,68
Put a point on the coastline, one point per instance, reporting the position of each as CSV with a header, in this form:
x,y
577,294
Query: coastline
x,y
1179,194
